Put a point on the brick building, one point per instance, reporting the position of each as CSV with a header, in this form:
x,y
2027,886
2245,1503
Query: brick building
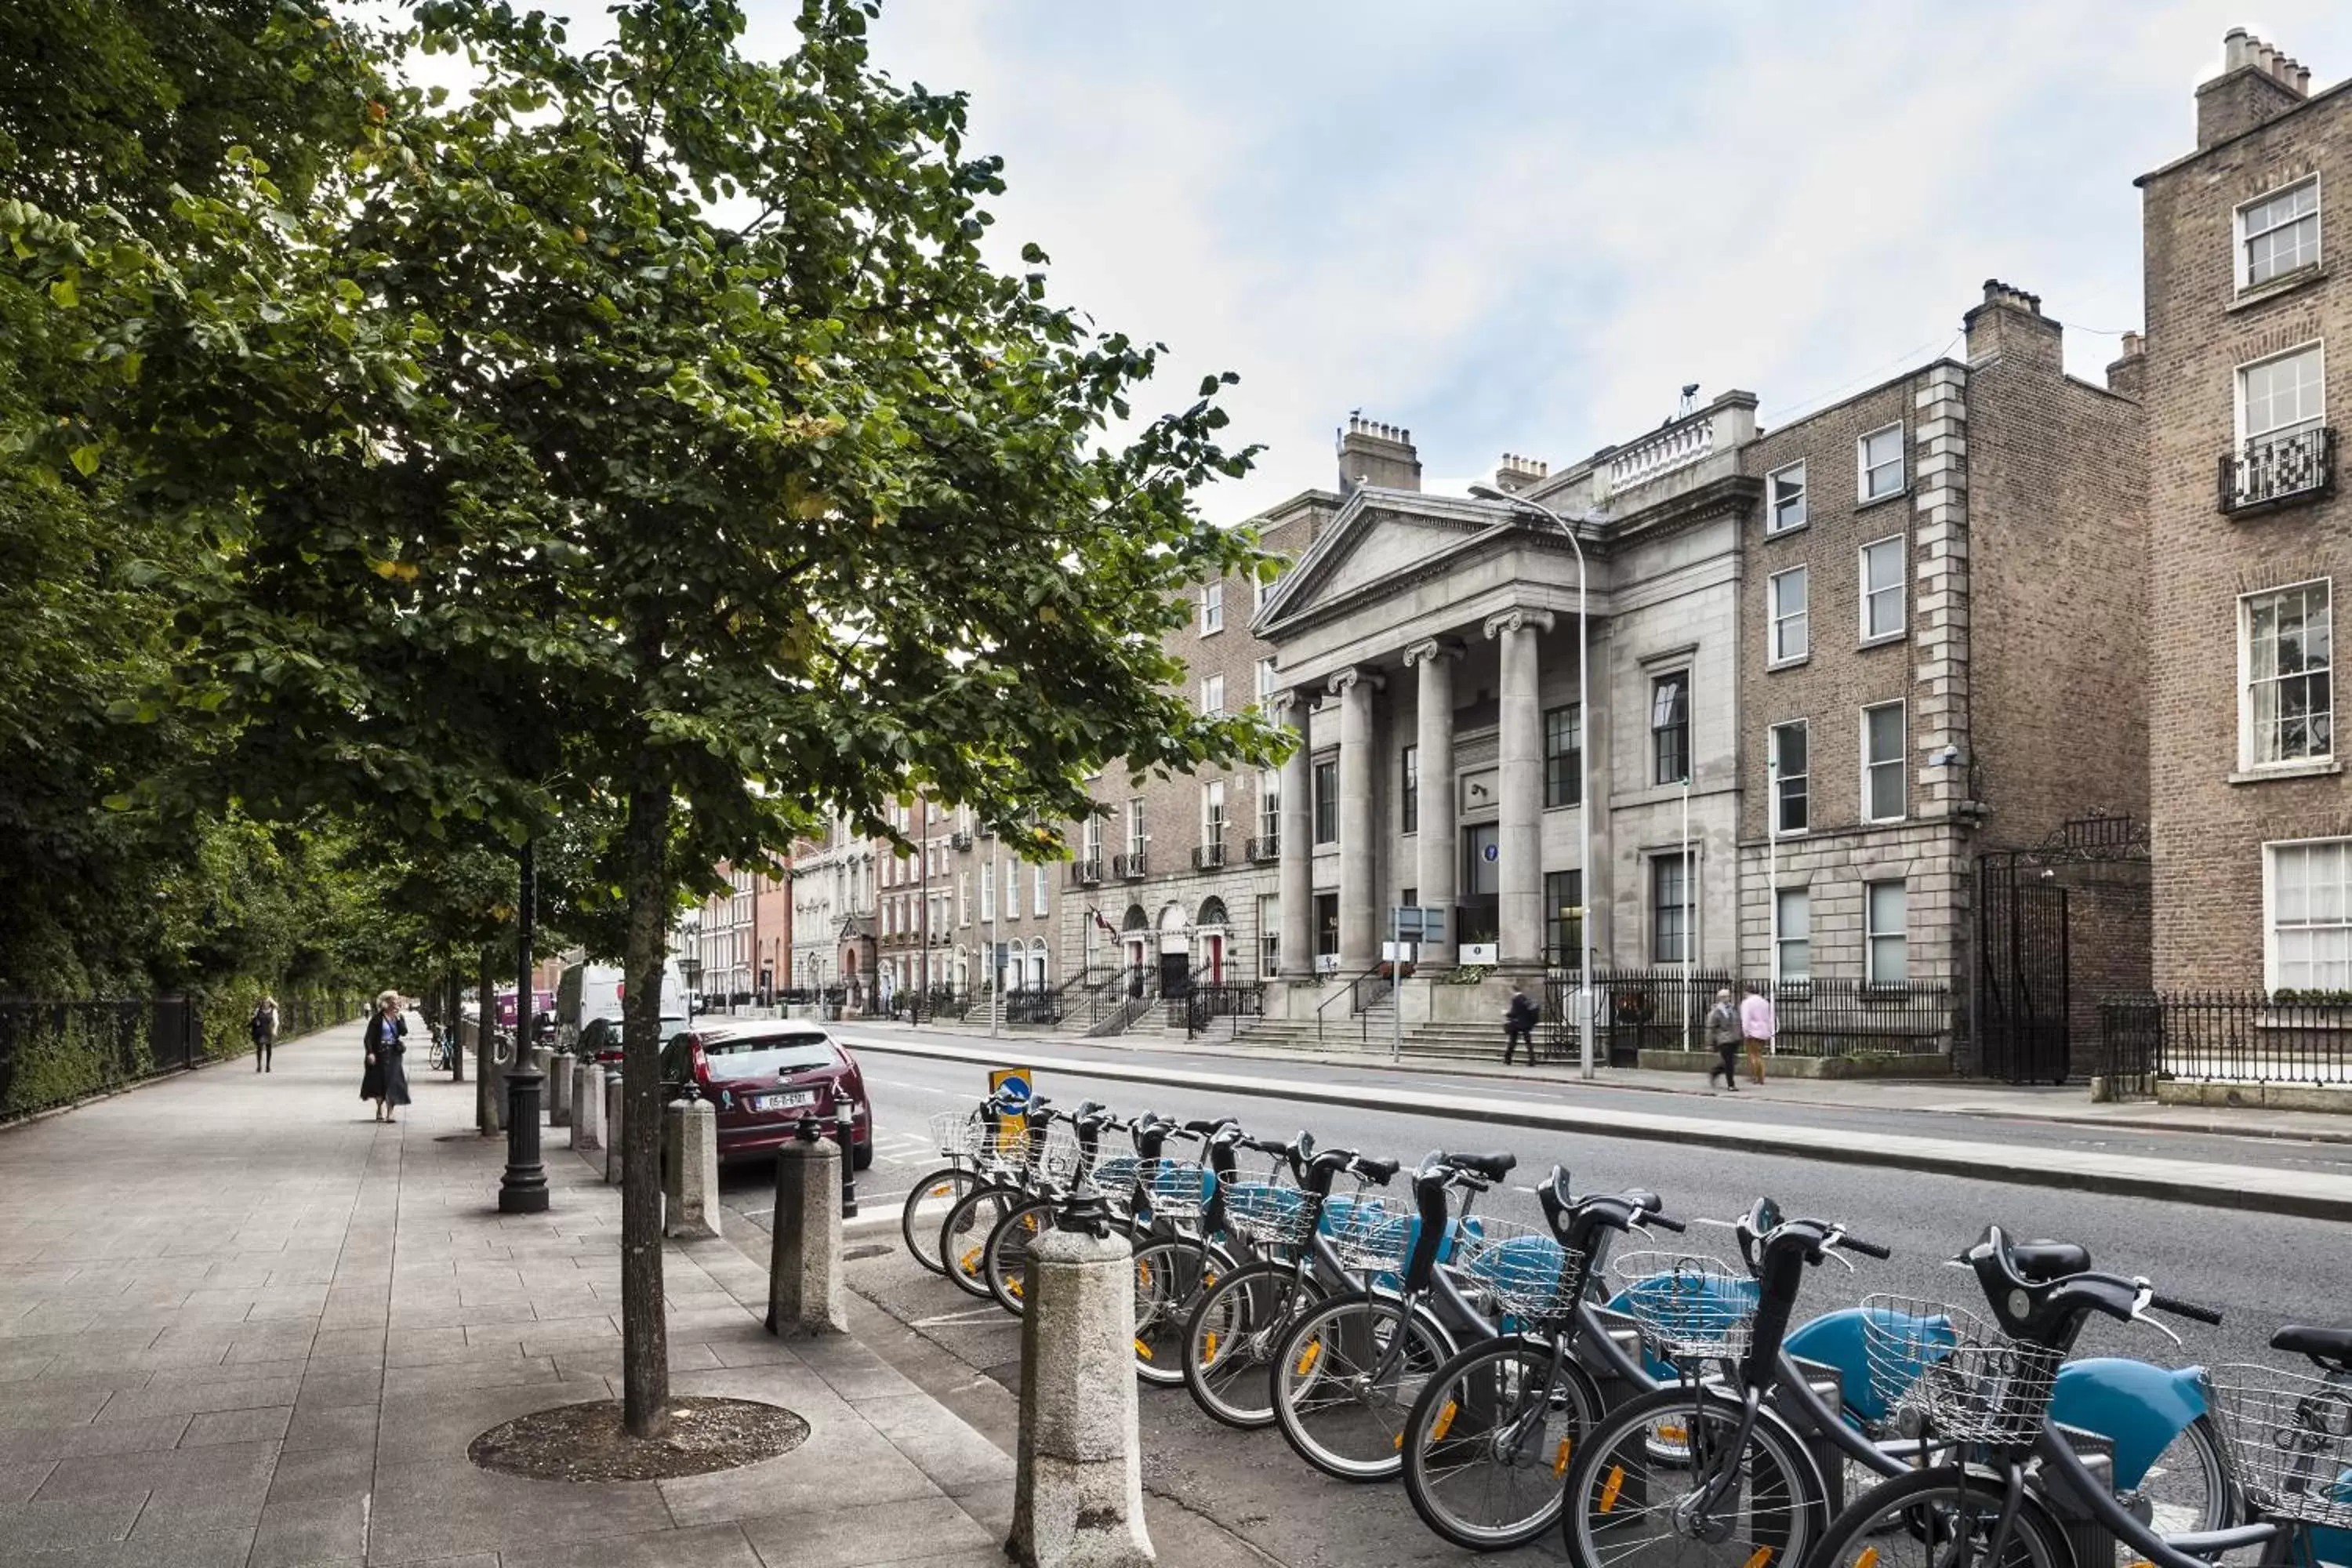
x,y
744,938
2251,819
1944,608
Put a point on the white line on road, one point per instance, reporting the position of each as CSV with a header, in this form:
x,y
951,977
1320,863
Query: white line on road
x,y
970,1315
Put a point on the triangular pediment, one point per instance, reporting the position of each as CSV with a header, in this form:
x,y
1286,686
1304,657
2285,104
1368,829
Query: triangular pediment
x,y
1382,540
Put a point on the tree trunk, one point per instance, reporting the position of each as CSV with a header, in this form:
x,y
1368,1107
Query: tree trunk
x,y
452,982
645,1332
486,1016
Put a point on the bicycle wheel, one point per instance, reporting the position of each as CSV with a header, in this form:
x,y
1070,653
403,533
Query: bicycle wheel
x,y
1344,1378
1229,1342
963,1234
1635,1481
1937,1518
1005,1265
2187,1488
1171,1274
926,1205
1489,1439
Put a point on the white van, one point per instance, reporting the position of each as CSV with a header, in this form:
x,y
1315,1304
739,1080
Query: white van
x,y
587,992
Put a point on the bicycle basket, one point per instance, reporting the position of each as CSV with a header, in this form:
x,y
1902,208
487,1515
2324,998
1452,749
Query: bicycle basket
x,y
1687,1307
968,1135
1368,1235
1176,1189
2290,1437
1063,1156
1969,1381
1530,1275
1115,1176
1269,1215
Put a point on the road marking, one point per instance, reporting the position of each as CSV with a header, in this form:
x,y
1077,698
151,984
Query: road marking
x,y
971,1314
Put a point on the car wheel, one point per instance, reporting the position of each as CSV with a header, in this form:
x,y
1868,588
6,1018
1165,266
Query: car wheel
x,y
862,1157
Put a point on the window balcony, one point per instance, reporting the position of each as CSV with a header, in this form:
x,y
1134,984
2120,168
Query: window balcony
x,y
1209,856
1265,849
1132,868
1085,873
960,840
2274,471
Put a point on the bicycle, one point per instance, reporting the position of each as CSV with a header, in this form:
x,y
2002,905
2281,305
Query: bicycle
x,y
1348,1371
1005,1255
1024,1176
1229,1339
977,1145
1709,1469
1981,1393
1491,1434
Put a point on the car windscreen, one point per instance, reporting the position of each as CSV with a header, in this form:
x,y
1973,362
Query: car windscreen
x,y
767,1055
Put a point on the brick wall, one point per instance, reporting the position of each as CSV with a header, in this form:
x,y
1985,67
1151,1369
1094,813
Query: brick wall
x,y
2209,832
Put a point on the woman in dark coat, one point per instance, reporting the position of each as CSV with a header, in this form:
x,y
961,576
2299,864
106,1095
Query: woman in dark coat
x,y
385,1081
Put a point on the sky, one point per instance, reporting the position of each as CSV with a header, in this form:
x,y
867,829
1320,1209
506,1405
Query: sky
x,y
1524,226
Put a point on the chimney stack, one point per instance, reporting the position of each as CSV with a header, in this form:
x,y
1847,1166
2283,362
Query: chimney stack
x,y
2259,81
1377,455
1515,473
2126,375
2010,326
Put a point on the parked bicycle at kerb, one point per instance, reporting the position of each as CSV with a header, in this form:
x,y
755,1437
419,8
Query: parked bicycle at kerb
x,y
1489,1438
979,1145
2001,1475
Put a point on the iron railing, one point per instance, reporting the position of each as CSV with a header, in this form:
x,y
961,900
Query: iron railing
x,y
1264,847
1132,868
2278,470
1207,1000
1360,991
54,1053
2226,1037
1085,873
1665,1010
1209,856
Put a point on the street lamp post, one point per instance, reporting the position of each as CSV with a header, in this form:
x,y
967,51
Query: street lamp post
x,y
1583,752
689,971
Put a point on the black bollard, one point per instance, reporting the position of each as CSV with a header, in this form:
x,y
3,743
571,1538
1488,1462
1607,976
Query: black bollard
x,y
844,1132
524,1188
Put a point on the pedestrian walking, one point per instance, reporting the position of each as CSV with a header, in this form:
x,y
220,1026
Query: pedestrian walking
x,y
1519,1027
385,1081
1723,1035
1757,1026
265,1032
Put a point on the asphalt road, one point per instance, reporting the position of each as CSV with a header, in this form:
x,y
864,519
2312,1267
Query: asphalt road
x,y
2261,1270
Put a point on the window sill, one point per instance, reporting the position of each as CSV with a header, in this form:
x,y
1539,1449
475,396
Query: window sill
x,y
1861,505
1780,663
2311,770
1885,821
1771,533
2276,288
1884,639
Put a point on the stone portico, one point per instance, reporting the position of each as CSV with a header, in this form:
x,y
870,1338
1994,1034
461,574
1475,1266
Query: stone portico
x,y
1427,653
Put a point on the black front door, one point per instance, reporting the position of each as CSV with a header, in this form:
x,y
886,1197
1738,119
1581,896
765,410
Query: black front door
x,y
1175,973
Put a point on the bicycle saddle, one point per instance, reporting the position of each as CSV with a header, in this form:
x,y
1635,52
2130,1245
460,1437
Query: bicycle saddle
x,y
1494,1167
2042,1261
2331,1348
1378,1172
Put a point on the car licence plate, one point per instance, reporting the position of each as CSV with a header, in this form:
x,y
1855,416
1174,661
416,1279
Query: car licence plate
x,y
792,1099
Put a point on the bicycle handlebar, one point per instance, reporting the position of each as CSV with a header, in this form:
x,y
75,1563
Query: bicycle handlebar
x,y
1660,1222
2180,1309
1867,1248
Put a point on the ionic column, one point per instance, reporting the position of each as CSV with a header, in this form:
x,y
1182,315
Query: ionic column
x,y
1359,923
1520,782
1440,856
1296,880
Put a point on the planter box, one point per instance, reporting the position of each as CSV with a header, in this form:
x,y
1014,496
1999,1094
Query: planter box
x,y
1928,1065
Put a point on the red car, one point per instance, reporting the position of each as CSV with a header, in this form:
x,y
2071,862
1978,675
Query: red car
x,y
765,1075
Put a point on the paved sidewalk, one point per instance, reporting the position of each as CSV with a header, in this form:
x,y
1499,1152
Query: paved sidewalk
x,y
241,1326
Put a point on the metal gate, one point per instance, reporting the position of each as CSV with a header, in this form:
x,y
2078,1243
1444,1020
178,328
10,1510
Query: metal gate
x,y
2021,979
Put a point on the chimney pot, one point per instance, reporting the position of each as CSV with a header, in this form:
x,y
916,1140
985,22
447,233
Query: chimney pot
x,y
2133,344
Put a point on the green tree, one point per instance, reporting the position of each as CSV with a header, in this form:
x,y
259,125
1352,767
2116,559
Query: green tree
x,y
648,431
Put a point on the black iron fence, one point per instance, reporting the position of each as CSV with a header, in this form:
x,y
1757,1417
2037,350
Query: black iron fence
x,y
1205,1000
54,1053
1665,1010
2226,1037
2274,470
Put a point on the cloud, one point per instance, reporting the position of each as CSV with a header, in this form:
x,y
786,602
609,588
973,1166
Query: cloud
x,y
1522,226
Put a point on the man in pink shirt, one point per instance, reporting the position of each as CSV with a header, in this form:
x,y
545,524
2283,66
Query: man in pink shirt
x,y
1757,1026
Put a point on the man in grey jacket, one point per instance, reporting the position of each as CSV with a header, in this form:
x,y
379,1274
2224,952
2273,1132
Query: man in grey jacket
x,y
1723,1035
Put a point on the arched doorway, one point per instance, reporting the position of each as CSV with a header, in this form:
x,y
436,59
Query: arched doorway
x,y
1037,963
1211,922
1175,951
1134,941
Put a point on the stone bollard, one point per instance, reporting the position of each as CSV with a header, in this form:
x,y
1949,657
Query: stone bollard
x,y
587,1104
804,1292
559,1098
612,1127
690,1168
1077,1488
524,1188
